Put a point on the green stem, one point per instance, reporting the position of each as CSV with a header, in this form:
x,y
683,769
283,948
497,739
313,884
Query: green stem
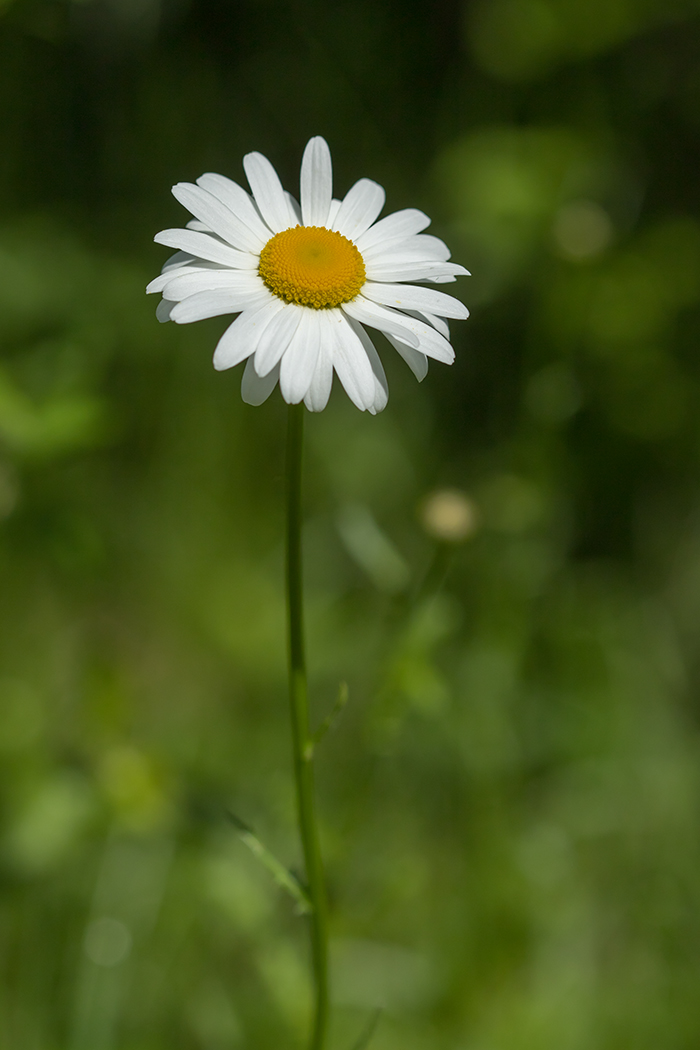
x,y
301,737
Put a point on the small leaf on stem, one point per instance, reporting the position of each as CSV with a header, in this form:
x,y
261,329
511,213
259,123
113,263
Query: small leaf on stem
x,y
280,873
329,720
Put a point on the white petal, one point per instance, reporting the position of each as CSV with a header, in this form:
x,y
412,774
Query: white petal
x,y
434,247
163,310
437,322
351,363
205,246
268,192
180,286
237,201
276,338
361,206
159,283
240,339
396,227
316,182
416,361
254,388
195,224
322,380
217,217
369,313
414,271
408,329
300,357
411,297
422,248
381,387
430,341
333,212
202,305
295,206
178,259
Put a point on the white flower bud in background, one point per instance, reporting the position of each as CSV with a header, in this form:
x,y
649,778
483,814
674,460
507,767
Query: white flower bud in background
x,y
449,515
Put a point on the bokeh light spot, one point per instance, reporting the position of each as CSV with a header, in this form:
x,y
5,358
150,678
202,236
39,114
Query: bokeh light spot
x,y
582,230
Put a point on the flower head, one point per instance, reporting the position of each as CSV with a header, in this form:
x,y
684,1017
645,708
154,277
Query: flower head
x,y
305,279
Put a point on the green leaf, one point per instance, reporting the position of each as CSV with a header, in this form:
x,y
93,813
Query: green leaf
x,y
280,873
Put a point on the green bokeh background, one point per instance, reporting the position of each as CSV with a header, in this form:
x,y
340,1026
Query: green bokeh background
x,y
509,802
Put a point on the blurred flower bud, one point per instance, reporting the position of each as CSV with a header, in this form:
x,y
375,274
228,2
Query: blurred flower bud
x,y
449,515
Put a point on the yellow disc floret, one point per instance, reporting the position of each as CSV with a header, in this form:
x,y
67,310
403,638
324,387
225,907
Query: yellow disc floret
x,y
312,266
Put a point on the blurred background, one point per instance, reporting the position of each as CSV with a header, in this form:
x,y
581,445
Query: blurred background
x,y
504,566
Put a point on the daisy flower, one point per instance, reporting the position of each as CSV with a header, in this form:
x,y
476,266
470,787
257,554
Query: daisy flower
x,y
306,279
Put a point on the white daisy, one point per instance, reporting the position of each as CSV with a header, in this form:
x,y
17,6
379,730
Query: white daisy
x,y
304,280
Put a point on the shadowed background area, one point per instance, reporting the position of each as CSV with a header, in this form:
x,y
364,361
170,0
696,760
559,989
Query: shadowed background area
x,y
504,566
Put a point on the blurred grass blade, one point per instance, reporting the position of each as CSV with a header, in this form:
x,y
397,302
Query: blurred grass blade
x,y
280,873
372,550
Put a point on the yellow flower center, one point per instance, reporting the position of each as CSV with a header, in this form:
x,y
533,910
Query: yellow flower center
x,y
312,266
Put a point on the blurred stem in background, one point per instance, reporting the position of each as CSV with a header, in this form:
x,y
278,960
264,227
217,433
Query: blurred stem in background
x,y
302,741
